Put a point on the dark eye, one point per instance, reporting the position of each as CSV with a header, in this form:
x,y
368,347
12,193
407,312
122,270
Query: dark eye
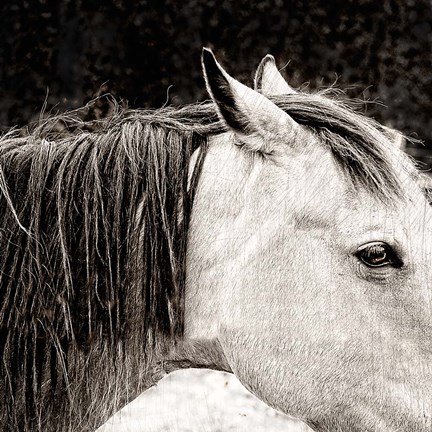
x,y
378,254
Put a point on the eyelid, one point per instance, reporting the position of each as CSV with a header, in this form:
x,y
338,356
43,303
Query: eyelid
x,y
389,237
372,243
376,243
395,260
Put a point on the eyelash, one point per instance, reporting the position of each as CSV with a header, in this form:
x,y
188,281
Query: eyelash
x,y
378,255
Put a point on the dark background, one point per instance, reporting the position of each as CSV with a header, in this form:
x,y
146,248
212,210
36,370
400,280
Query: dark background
x,y
69,52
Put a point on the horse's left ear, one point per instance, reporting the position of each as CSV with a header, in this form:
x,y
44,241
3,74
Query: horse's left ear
x,y
245,111
268,79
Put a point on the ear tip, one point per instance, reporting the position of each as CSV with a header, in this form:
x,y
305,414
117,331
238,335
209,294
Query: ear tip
x,y
269,59
266,64
209,64
207,54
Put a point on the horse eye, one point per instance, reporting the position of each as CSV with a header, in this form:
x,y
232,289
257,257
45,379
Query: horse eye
x,y
378,254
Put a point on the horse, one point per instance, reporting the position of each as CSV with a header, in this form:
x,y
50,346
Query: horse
x,y
274,234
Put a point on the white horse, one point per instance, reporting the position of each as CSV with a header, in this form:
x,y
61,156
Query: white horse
x,y
299,261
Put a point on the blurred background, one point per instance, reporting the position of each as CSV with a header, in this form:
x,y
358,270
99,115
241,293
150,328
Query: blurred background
x,y
147,52
57,55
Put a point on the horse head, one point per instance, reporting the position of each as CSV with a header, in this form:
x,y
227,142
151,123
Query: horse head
x,y
308,258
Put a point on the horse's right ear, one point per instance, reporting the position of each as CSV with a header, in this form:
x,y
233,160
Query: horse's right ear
x,y
268,79
245,111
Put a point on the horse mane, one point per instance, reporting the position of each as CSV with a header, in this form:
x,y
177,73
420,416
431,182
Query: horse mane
x,y
93,227
359,144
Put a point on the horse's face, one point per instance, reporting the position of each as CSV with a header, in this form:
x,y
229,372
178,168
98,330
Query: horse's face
x,y
319,294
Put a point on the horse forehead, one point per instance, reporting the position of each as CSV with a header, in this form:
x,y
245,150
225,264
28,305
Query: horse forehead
x,y
408,221
338,205
315,187
302,180
306,185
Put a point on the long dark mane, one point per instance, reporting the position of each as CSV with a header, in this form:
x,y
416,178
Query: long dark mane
x,y
93,235
93,228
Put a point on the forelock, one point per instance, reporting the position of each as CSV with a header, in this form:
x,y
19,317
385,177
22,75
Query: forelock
x,y
359,144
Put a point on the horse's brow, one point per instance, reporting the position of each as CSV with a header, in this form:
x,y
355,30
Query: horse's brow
x,y
310,221
373,228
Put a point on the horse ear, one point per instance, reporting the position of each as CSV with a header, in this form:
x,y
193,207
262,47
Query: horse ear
x,y
245,111
268,79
